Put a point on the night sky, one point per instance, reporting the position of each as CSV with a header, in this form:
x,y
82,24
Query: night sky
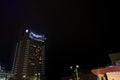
x,y
80,32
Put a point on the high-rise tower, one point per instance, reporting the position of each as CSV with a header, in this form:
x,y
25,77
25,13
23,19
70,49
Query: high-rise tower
x,y
29,59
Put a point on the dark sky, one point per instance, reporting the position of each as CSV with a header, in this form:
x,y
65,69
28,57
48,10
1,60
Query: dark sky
x,y
80,32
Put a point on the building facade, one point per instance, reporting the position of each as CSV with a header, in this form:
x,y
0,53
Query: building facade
x,y
111,72
107,73
29,58
4,75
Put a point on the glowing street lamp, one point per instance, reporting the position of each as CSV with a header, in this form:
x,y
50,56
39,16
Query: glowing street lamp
x,y
71,67
77,66
76,71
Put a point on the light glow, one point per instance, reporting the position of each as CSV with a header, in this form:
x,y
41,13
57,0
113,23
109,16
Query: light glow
x,y
71,67
2,78
26,30
38,73
77,66
24,76
113,75
37,36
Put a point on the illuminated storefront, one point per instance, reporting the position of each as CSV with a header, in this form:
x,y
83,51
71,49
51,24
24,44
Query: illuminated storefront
x,y
107,73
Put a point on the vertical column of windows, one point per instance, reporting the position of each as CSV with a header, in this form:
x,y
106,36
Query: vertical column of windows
x,y
14,61
43,60
25,63
17,59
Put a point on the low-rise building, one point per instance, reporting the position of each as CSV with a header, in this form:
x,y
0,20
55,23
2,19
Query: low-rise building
x,y
3,74
107,73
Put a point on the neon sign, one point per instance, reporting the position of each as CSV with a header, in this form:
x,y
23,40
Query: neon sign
x,y
37,37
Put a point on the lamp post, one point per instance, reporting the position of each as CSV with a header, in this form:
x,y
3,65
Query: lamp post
x,y
76,71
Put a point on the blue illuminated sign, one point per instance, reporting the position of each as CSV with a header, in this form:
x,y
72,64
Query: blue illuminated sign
x,y
37,37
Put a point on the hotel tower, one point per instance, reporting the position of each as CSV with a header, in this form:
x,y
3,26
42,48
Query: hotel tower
x,y
29,58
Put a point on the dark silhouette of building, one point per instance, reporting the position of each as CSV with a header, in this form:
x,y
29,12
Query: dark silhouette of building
x,y
82,76
115,58
29,58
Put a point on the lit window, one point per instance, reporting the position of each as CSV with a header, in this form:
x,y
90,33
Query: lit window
x,y
24,76
34,45
40,58
40,62
33,64
35,74
38,73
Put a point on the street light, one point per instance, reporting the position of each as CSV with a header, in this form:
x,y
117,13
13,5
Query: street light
x,y
76,71
77,66
71,67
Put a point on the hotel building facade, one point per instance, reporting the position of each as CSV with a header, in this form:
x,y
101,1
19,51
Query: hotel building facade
x,y
29,58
